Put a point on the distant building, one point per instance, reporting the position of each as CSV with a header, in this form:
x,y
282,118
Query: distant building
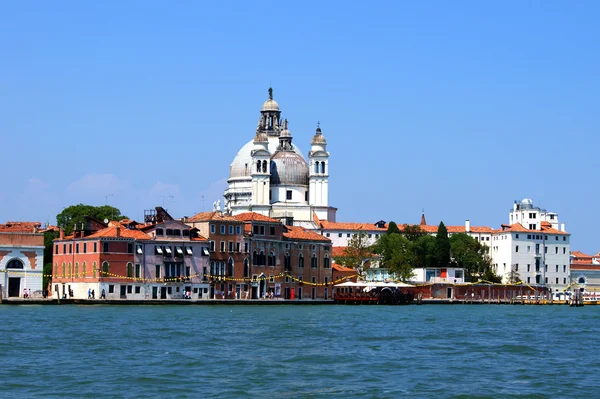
x,y
21,258
159,259
585,271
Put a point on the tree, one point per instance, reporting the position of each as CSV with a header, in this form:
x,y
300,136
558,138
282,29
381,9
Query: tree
x,y
513,276
442,246
412,232
393,228
467,253
490,276
75,214
425,251
397,255
357,251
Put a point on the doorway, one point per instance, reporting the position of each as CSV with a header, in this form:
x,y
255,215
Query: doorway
x,y
154,292
123,291
163,292
449,294
286,293
14,286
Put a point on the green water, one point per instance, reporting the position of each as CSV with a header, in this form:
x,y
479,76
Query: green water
x,y
424,351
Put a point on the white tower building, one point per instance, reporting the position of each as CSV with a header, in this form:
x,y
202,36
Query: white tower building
x,y
319,175
261,174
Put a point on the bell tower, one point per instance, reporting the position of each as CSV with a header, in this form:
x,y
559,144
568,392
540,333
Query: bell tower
x,y
261,173
318,171
270,116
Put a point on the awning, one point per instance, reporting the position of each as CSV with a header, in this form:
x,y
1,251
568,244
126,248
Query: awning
x,y
188,250
179,250
168,250
205,252
159,250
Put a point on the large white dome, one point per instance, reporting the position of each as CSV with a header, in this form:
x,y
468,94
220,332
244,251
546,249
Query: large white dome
x,y
241,167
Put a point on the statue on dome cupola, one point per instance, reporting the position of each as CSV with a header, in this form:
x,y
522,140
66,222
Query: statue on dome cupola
x,y
270,116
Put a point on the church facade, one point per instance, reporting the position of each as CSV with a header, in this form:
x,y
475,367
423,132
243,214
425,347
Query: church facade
x,y
271,176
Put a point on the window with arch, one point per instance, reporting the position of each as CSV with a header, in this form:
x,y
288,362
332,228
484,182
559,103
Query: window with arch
x,y
55,270
212,268
264,166
262,258
254,258
70,270
581,280
230,267
94,268
313,261
129,269
323,167
301,260
14,264
64,270
76,269
272,259
287,261
105,269
326,264
247,267
84,269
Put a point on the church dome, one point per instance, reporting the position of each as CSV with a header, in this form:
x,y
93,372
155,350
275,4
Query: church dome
x,y
270,105
241,167
288,168
261,137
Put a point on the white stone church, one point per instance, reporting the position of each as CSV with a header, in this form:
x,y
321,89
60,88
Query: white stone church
x,y
271,176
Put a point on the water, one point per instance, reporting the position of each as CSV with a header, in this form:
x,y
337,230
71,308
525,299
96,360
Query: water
x,y
429,351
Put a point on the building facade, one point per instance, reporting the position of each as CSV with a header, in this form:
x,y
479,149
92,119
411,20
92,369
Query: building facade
x,y
160,259
21,259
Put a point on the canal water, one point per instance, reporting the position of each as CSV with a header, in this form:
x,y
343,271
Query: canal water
x,y
290,351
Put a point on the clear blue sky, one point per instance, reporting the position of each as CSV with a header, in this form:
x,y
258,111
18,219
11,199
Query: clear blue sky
x,y
455,107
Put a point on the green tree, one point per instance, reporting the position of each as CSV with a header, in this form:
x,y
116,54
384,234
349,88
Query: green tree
x,y
442,246
513,275
75,214
412,232
469,254
393,228
490,276
397,254
357,251
425,251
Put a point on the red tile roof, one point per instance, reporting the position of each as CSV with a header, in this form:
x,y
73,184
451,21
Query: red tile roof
x,y
298,233
20,227
341,268
518,227
584,266
253,216
211,216
111,231
326,225
338,251
579,255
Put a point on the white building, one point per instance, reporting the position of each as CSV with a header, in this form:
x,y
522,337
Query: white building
x,y
270,176
532,247
21,259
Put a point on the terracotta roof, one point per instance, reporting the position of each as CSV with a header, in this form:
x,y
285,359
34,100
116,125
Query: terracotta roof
x,y
207,216
518,227
341,268
20,227
585,266
111,231
579,254
338,251
255,217
326,225
199,238
298,233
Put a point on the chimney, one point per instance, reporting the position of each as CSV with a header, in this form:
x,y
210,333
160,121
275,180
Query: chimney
x,y
562,227
61,234
467,226
118,231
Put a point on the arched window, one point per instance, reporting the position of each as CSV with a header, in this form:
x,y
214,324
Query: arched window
x,y
272,259
105,269
76,269
326,262
254,258
264,163
581,280
14,264
317,167
55,271
94,268
323,167
212,268
129,270
222,269
230,267
84,270
70,270
261,258
301,260
313,261
64,270
287,262
247,267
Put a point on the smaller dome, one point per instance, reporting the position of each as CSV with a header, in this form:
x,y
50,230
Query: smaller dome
x,y
526,201
270,105
261,137
318,138
285,133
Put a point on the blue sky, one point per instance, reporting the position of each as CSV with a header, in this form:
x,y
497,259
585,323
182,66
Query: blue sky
x,y
455,107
